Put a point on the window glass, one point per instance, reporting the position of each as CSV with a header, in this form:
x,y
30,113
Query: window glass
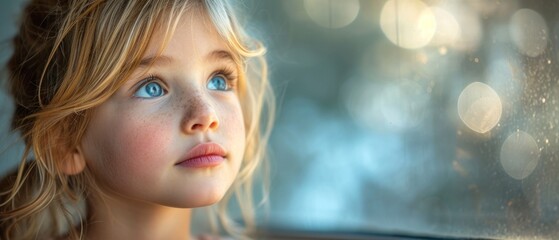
x,y
405,116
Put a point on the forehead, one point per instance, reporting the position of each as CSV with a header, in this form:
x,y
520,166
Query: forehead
x,y
191,36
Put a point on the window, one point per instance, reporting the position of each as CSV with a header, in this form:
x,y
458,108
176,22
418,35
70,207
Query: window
x,y
429,118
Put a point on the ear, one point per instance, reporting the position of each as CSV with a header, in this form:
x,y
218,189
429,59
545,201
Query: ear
x,y
74,162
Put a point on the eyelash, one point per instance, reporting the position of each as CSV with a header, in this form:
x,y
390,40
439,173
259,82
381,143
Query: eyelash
x,y
149,79
227,72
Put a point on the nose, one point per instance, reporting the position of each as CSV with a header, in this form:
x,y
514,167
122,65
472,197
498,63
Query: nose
x,y
200,116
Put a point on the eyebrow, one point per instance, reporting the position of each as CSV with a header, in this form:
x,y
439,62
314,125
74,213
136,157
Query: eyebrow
x,y
155,60
221,55
162,59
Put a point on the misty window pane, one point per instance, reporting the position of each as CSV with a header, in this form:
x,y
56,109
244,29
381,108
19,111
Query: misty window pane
x,y
414,117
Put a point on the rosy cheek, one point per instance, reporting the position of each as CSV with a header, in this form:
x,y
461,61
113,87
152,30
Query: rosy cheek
x,y
143,144
129,148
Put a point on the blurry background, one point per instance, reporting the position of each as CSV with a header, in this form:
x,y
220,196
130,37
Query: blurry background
x,y
433,117
11,148
407,116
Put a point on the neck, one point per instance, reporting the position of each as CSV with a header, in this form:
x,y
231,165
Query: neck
x,y
116,219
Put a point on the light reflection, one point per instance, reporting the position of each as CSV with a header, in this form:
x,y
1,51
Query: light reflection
x,y
408,24
443,51
448,29
479,107
519,155
332,14
529,32
486,7
470,26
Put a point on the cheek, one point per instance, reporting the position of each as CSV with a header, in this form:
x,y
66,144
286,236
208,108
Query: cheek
x,y
127,148
234,130
139,145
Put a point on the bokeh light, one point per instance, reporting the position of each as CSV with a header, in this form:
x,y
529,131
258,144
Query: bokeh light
x,y
529,32
470,26
408,23
519,155
486,7
448,29
479,107
332,14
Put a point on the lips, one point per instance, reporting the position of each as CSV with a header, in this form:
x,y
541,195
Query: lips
x,y
204,155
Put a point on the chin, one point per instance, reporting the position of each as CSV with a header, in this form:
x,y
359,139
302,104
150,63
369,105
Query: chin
x,y
201,198
206,200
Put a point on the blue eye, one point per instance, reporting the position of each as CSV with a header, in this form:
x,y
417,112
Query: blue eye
x,y
150,90
219,83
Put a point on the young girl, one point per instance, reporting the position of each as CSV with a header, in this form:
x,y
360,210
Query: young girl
x,y
133,113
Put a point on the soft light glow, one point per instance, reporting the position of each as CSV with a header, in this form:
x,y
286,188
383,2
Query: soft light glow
x,y
402,106
448,29
392,107
380,61
408,23
486,7
529,32
519,155
469,23
332,13
295,10
358,96
479,107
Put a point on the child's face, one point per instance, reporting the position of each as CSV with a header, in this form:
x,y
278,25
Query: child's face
x,y
136,139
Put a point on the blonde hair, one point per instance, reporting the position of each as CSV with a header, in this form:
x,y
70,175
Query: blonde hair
x,y
71,56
